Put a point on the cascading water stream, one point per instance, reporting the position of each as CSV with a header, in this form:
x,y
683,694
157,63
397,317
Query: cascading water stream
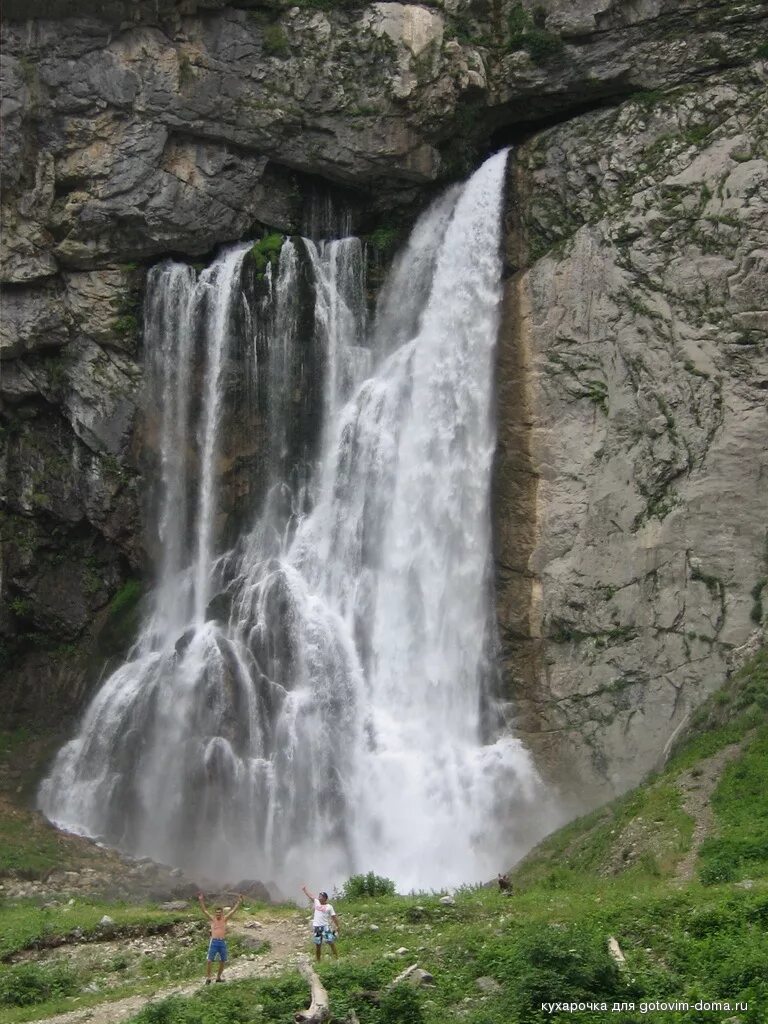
x,y
333,717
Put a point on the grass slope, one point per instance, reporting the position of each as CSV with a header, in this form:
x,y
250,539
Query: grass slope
x,y
29,846
614,873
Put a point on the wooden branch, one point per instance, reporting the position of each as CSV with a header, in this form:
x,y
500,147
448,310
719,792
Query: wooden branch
x,y
413,975
405,976
615,950
319,1007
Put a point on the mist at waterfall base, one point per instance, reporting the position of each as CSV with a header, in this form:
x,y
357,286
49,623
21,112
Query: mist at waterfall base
x,y
340,714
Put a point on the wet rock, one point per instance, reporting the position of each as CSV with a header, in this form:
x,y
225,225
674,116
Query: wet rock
x,y
253,890
219,608
183,642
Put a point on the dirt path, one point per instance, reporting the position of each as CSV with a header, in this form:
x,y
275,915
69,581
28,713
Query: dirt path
x,y
697,786
289,941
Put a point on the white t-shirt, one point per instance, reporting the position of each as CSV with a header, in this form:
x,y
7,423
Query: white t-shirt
x,y
323,914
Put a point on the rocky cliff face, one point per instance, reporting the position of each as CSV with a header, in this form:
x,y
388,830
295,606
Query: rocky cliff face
x,y
628,510
634,436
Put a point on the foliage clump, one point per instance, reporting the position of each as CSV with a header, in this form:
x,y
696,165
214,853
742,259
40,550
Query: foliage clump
x,y
756,613
370,885
126,326
275,41
525,33
28,984
126,597
266,252
122,619
384,240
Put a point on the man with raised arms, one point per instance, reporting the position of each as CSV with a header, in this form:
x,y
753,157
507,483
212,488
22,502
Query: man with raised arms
x,y
218,944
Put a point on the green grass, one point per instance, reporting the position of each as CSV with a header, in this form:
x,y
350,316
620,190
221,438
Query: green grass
x,y
236,1004
609,874
25,924
76,976
547,942
542,944
727,716
593,845
740,802
29,984
29,847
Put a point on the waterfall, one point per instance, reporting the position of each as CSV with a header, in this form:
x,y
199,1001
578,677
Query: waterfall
x,y
331,716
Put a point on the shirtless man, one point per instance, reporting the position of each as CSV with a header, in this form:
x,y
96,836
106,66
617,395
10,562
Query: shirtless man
x,y
321,922
217,946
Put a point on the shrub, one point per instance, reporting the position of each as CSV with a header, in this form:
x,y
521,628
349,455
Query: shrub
x,y
717,869
541,45
266,252
401,1006
126,326
384,240
528,34
126,598
275,41
360,886
27,984
756,614
535,962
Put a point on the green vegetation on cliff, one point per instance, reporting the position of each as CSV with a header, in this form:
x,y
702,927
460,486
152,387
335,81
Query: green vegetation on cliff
x,y
266,252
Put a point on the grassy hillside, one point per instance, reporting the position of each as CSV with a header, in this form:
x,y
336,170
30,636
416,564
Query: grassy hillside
x,y
676,871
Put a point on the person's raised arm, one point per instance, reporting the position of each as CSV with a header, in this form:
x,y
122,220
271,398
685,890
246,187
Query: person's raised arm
x,y
235,908
307,893
203,907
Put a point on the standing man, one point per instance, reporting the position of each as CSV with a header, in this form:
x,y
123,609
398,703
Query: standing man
x,y
325,923
218,945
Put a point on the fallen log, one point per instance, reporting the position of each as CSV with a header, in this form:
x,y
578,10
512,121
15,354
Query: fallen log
x,y
318,1010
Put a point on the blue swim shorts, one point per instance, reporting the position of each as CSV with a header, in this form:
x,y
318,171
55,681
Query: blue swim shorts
x,y
217,946
322,934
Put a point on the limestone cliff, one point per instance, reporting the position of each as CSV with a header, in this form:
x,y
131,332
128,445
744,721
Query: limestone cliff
x,y
634,424
629,512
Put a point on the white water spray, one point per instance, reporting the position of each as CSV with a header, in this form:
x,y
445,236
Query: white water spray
x,y
334,721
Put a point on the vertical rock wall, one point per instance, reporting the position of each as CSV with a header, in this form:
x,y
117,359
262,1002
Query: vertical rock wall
x,y
632,513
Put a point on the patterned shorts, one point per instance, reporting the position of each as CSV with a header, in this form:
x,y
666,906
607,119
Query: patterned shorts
x,y
322,934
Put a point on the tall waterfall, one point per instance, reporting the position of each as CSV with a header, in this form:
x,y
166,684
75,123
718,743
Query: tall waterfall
x,y
319,696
